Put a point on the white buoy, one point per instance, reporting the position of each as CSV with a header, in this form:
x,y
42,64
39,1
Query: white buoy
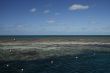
x,y
51,62
22,69
10,50
7,65
76,57
14,39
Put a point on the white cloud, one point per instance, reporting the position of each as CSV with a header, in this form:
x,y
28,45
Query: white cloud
x,y
33,10
19,26
51,21
57,13
78,7
46,11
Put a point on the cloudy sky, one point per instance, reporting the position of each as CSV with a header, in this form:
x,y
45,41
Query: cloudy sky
x,y
54,17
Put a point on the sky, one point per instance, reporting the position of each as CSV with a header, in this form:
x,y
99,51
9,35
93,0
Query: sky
x,y
54,17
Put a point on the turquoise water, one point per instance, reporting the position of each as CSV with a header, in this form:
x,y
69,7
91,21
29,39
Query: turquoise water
x,y
85,63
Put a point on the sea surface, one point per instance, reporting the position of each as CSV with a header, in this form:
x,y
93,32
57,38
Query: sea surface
x,y
69,37
85,63
88,62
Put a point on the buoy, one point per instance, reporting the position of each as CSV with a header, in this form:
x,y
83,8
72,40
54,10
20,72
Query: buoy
x,y
7,65
51,62
14,39
10,50
22,69
76,57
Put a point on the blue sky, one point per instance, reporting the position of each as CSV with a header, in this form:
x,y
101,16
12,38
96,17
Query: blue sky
x,y
54,17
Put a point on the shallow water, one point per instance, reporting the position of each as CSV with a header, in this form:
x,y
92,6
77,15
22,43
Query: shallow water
x,y
90,62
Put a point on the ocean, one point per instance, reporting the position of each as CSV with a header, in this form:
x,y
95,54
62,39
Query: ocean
x,y
90,61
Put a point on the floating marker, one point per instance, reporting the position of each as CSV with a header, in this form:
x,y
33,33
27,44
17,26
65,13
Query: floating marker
x,y
22,69
7,65
76,57
51,62
10,50
14,39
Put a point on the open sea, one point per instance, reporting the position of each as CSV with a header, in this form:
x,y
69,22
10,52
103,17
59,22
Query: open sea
x,y
87,62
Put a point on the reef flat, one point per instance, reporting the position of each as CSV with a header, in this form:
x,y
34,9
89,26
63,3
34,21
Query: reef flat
x,y
42,48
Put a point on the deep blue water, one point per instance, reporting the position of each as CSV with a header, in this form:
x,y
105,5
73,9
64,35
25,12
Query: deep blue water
x,y
84,63
43,36
54,37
